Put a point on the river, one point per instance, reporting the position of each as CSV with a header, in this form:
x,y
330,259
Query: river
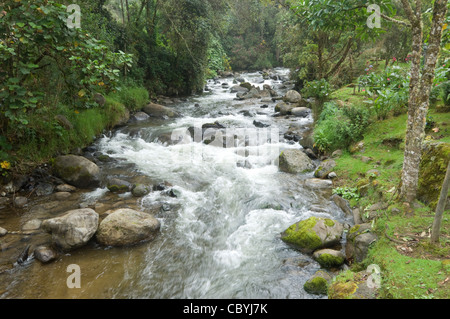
x,y
220,229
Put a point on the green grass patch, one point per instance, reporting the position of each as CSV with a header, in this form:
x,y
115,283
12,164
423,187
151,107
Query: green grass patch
x,y
134,98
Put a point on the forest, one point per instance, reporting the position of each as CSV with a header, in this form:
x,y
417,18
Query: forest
x,y
375,75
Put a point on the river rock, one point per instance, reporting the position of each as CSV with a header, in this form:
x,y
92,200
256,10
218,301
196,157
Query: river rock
x,y
126,227
3,232
62,195
238,89
313,233
73,229
116,185
141,190
45,254
66,188
284,108
159,111
342,203
301,111
329,258
317,183
359,239
325,168
318,283
292,96
77,171
44,189
33,224
295,161
20,201
139,117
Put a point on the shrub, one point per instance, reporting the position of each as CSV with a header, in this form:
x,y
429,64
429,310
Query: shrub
x,y
337,128
319,89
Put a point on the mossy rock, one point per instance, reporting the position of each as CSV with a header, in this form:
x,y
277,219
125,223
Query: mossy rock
x,y
77,171
246,85
329,258
355,287
313,233
318,283
435,158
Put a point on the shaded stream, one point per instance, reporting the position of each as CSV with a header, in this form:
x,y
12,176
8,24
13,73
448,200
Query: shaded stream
x,y
220,234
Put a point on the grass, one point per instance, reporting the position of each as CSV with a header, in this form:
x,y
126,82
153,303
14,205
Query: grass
x,y
411,266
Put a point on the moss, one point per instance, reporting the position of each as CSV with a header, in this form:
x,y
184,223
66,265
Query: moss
x,y
354,229
329,222
317,286
342,290
432,172
302,236
330,261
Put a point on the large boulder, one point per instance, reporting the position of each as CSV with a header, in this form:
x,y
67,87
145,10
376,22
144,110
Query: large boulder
x,y
77,171
433,166
359,239
292,96
313,233
73,229
126,227
159,111
295,161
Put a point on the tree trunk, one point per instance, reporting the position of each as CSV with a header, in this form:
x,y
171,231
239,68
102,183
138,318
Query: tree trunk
x,y
420,88
435,231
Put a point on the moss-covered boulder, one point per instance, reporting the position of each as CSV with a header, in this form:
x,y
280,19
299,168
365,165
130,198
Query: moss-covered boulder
x,y
359,239
295,161
77,171
354,286
313,233
318,283
119,186
329,258
435,158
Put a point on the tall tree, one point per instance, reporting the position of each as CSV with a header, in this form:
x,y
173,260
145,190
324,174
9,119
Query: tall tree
x,y
420,87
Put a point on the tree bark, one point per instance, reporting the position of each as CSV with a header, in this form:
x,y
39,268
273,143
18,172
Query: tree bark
x,y
420,88
435,231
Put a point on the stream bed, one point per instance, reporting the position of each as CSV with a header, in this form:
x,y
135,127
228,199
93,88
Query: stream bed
x,y
220,222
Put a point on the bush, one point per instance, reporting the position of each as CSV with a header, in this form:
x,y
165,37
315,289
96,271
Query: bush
x,y
445,93
319,89
338,128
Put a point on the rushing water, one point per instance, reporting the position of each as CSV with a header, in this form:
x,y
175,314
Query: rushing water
x,y
220,235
